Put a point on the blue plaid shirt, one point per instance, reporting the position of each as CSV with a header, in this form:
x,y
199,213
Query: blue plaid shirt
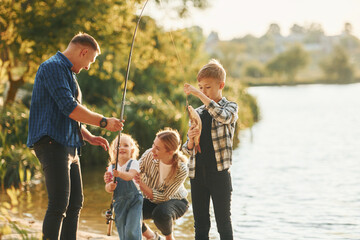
x,y
53,99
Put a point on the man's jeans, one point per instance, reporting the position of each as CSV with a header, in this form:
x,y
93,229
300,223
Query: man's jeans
x,y
62,172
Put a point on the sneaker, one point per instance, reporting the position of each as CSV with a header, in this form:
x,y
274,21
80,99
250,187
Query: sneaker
x,y
158,236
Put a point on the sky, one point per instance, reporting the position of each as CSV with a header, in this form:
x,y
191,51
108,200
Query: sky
x,y
237,18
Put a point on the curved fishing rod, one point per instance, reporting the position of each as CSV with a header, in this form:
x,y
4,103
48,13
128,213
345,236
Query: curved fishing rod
x,y
109,212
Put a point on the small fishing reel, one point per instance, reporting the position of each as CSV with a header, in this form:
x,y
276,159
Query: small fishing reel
x,y
108,215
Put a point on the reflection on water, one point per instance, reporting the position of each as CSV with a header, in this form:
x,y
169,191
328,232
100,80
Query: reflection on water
x,y
299,177
295,177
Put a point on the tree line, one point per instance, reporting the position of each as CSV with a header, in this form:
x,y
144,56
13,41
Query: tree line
x,y
306,55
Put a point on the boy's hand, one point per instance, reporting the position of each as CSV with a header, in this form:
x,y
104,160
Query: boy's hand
x,y
193,132
189,89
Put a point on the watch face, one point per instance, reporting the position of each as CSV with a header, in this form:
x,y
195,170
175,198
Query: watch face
x,y
103,123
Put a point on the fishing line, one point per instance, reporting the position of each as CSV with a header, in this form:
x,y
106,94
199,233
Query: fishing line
x,y
177,53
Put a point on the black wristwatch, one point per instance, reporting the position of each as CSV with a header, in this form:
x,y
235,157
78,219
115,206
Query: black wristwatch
x,y
103,122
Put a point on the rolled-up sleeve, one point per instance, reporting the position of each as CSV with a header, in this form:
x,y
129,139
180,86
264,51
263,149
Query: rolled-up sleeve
x,y
185,148
55,81
226,114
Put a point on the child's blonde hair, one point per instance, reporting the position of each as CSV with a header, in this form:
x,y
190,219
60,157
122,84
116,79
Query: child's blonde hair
x,y
114,144
212,70
172,142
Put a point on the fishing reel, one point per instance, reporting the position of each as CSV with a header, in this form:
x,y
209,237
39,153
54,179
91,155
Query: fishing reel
x,y
108,215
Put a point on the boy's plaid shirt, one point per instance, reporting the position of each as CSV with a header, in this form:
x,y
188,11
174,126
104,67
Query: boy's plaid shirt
x,y
225,115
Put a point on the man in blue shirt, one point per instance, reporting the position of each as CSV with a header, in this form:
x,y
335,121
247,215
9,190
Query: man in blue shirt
x,y
56,132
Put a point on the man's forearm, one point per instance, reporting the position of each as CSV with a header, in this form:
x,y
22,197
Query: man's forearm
x,y
84,115
86,134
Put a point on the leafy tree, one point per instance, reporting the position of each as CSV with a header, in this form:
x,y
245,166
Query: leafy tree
x,y
297,29
314,33
182,7
337,67
348,41
34,30
273,30
31,31
289,62
348,28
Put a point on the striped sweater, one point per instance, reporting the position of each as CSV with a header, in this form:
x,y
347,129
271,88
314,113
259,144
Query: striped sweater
x,y
149,168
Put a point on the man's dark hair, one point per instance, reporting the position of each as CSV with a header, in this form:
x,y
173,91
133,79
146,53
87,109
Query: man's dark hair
x,y
86,40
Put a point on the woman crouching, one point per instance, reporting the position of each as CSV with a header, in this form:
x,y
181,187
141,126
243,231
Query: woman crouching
x,y
163,173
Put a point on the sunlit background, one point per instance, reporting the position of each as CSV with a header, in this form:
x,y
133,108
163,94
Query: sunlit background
x,y
292,66
237,18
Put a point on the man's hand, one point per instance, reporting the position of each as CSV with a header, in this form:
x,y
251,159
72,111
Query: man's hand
x,y
114,124
98,141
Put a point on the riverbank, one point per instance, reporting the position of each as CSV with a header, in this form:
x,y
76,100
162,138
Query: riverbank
x,y
31,228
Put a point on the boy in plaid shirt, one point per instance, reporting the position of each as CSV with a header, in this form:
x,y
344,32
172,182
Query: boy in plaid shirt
x,y
209,170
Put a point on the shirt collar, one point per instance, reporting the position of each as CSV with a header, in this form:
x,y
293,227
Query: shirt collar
x,y
64,59
222,101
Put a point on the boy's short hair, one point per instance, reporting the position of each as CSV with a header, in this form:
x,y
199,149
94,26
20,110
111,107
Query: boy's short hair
x,y
86,40
212,70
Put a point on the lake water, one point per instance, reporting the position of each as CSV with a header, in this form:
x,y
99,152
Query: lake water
x,y
295,174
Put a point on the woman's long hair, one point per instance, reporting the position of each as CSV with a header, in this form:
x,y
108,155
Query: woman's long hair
x,y
172,142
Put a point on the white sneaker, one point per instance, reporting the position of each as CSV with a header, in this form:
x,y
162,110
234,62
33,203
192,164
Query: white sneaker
x,y
158,236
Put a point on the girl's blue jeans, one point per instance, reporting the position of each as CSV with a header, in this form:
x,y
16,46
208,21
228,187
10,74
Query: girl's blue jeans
x,y
128,212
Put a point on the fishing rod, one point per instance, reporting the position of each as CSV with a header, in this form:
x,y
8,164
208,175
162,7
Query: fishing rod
x,y
110,211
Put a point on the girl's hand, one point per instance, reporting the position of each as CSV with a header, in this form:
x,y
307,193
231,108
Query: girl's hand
x,y
137,179
116,173
108,177
112,186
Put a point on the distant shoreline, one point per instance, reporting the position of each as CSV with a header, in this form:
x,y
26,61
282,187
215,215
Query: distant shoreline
x,y
262,83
